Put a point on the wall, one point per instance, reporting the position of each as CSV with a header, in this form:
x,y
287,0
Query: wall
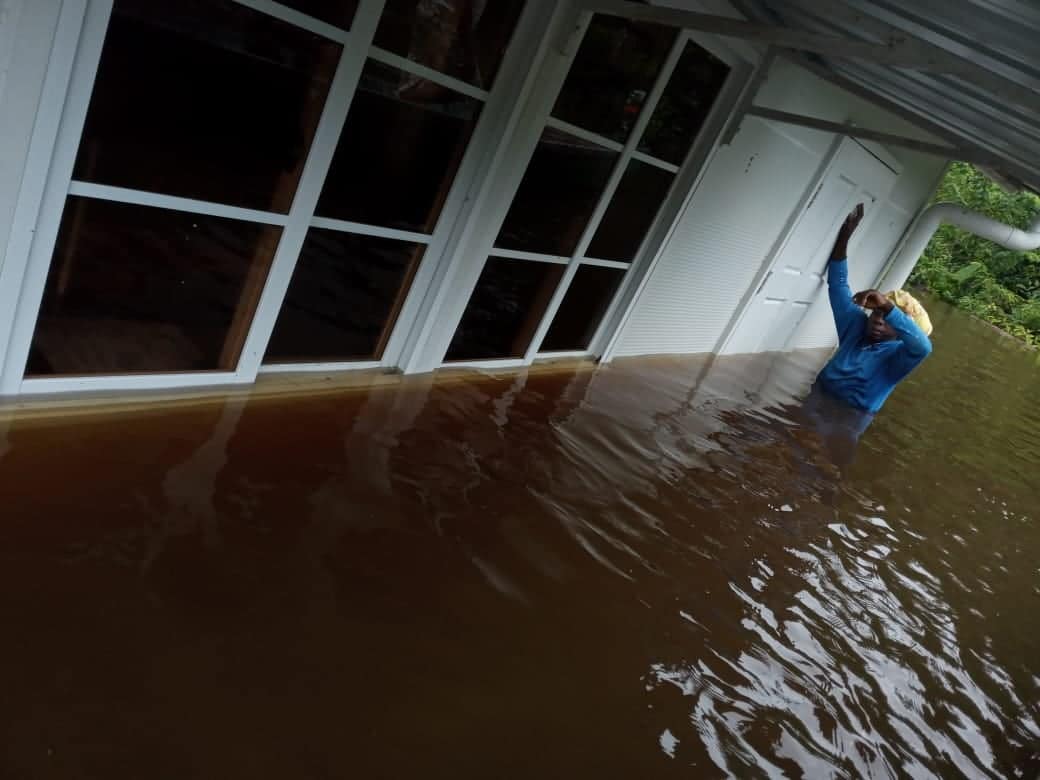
x,y
26,32
747,199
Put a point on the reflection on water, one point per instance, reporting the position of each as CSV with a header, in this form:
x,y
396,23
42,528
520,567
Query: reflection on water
x,y
657,568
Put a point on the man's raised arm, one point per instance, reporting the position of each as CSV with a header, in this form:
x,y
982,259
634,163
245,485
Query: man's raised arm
x,y
847,316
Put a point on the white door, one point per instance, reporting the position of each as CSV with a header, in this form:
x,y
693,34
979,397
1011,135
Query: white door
x,y
798,274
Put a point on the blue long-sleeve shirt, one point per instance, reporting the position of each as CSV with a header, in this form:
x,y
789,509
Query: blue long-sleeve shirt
x,y
863,374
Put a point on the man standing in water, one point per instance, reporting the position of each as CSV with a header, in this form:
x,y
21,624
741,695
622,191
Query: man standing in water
x,y
875,352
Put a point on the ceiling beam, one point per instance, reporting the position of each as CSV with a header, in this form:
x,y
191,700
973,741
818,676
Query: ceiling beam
x,y
973,151
827,125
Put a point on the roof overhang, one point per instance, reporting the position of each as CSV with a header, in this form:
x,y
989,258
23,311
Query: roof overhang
x,y
967,72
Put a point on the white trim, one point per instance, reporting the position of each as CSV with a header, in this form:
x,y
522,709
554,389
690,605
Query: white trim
x,y
312,179
70,98
516,254
298,19
605,263
118,382
27,33
862,134
310,368
635,135
585,135
643,157
487,365
425,72
344,226
575,353
88,189
24,232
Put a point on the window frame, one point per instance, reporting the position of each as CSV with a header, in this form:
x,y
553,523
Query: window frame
x,y
521,148
516,111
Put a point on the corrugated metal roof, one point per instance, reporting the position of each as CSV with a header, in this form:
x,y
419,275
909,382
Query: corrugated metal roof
x,y
966,70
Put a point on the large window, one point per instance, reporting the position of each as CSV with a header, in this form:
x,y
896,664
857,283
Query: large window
x,y
259,184
624,121
197,144
201,110
419,97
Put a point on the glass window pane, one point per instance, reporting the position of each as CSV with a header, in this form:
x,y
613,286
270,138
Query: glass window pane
x,y
684,105
506,307
205,99
134,289
462,38
614,70
343,298
583,306
399,152
336,12
639,195
558,194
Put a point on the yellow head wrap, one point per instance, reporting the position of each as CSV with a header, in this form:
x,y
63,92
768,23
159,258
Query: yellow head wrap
x,y
912,308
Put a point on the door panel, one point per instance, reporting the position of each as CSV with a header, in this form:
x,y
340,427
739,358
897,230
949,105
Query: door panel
x,y
798,275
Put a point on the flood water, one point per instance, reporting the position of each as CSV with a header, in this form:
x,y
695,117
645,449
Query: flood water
x,y
652,569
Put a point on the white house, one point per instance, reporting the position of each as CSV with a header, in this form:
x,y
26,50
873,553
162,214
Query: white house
x,y
195,192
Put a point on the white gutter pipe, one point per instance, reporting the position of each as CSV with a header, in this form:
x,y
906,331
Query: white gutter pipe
x,y
934,216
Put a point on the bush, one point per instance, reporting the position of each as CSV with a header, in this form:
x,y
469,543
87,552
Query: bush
x,y
998,285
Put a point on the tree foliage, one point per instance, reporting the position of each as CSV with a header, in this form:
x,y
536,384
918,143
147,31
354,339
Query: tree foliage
x,y
998,285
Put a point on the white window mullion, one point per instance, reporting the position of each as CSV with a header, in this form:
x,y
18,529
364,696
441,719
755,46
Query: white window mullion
x,y
424,72
608,191
173,203
319,160
583,134
538,257
643,157
606,263
23,278
298,19
364,229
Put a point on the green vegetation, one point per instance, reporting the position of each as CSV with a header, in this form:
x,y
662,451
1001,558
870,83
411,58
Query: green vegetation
x,y
1000,286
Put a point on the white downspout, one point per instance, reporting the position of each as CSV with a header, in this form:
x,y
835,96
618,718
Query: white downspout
x,y
930,220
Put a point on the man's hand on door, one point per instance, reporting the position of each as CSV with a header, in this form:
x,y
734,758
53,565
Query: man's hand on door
x,y
848,227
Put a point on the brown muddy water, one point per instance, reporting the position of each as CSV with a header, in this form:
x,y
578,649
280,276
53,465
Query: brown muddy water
x,y
653,569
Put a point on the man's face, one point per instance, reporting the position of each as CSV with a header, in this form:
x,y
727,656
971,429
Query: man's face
x,y
878,329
